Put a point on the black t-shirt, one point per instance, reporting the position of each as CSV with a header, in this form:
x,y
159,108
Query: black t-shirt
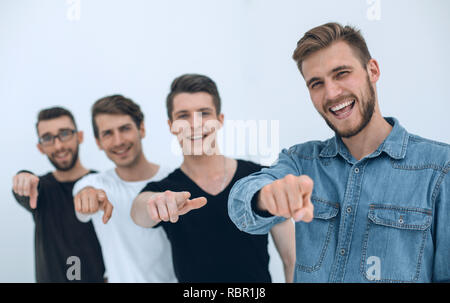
x,y
206,245
59,235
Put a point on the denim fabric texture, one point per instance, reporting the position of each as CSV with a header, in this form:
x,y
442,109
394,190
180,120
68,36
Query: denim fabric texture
x,y
384,218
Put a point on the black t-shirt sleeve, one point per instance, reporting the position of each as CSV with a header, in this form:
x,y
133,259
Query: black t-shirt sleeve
x,y
151,186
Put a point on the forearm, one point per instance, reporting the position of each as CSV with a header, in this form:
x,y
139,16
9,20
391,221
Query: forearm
x,y
247,216
23,200
283,236
240,207
289,272
139,212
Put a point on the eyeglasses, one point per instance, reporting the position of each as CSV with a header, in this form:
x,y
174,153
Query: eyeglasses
x,y
63,136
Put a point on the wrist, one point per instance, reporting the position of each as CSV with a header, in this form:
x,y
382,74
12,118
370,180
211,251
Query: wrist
x,y
257,206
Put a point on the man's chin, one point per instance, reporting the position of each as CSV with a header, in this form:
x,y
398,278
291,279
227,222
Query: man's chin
x,y
62,166
125,162
65,165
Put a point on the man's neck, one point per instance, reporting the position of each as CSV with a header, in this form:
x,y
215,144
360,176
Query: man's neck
x,y
140,170
370,138
203,165
71,175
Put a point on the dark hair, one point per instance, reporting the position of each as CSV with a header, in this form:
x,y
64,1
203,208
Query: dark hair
x,y
192,83
324,35
53,113
116,105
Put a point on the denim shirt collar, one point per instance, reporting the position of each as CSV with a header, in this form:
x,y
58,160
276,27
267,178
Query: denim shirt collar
x,y
394,145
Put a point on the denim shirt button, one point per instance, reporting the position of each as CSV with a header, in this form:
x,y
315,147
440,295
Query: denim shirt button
x,y
349,209
357,170
342,252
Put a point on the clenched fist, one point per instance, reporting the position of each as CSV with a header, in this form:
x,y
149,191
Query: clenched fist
x,y
26,184
289,197
89,200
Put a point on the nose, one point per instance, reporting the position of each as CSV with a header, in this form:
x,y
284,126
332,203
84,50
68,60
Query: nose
x,y
332,90
197,121
57,144
117,139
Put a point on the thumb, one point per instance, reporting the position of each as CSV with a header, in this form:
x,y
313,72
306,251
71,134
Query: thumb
x,y
108,209
33,193
306,213
101,196
186,195
33,198
298,215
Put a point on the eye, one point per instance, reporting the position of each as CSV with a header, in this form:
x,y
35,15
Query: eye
x,y
106,133
64,133
316,84
47,138
341,73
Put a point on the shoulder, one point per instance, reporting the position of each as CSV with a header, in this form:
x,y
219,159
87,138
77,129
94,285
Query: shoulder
x,y
94,179
47,182
310,149
426,151
418,142
163,184
246,165
47,178
163,172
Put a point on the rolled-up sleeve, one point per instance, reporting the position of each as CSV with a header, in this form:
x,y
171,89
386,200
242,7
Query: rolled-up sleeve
x,y
240,199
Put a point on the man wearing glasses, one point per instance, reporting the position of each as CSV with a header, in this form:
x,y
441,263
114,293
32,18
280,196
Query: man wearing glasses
x,y
65,249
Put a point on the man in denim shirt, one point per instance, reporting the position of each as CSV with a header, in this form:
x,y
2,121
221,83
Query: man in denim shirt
x,y
379,196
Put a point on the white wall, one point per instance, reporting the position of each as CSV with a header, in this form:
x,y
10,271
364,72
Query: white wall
x,y
137,47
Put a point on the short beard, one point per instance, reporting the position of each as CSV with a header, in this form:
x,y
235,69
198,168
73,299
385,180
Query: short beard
x,y
68,167
368,108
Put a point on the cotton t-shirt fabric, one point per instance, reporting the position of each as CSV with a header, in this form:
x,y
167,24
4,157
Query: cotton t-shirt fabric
x,y
206,245
131,253
59,236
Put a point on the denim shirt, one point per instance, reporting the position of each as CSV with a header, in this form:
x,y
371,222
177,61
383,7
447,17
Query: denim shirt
x,y
384,218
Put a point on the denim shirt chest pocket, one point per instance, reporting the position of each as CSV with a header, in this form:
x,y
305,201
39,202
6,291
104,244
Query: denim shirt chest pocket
x,y
315,238
395,237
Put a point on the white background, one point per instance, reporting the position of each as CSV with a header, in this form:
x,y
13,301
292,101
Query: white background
x,y
137,47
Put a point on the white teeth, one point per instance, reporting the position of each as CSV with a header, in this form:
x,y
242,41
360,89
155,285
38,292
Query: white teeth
x,y
341,106
196,137
121,151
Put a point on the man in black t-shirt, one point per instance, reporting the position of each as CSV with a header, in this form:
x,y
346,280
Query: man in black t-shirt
x,y
206,245
66,250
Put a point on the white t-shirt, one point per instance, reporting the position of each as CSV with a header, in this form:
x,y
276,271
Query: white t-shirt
x,y
131,253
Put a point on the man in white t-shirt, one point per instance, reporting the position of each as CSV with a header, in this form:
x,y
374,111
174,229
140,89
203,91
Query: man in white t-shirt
x,y
131,253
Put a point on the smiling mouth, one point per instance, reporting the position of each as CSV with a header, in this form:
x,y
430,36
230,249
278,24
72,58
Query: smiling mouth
x,y
197,137
122,151
61,155
341,110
